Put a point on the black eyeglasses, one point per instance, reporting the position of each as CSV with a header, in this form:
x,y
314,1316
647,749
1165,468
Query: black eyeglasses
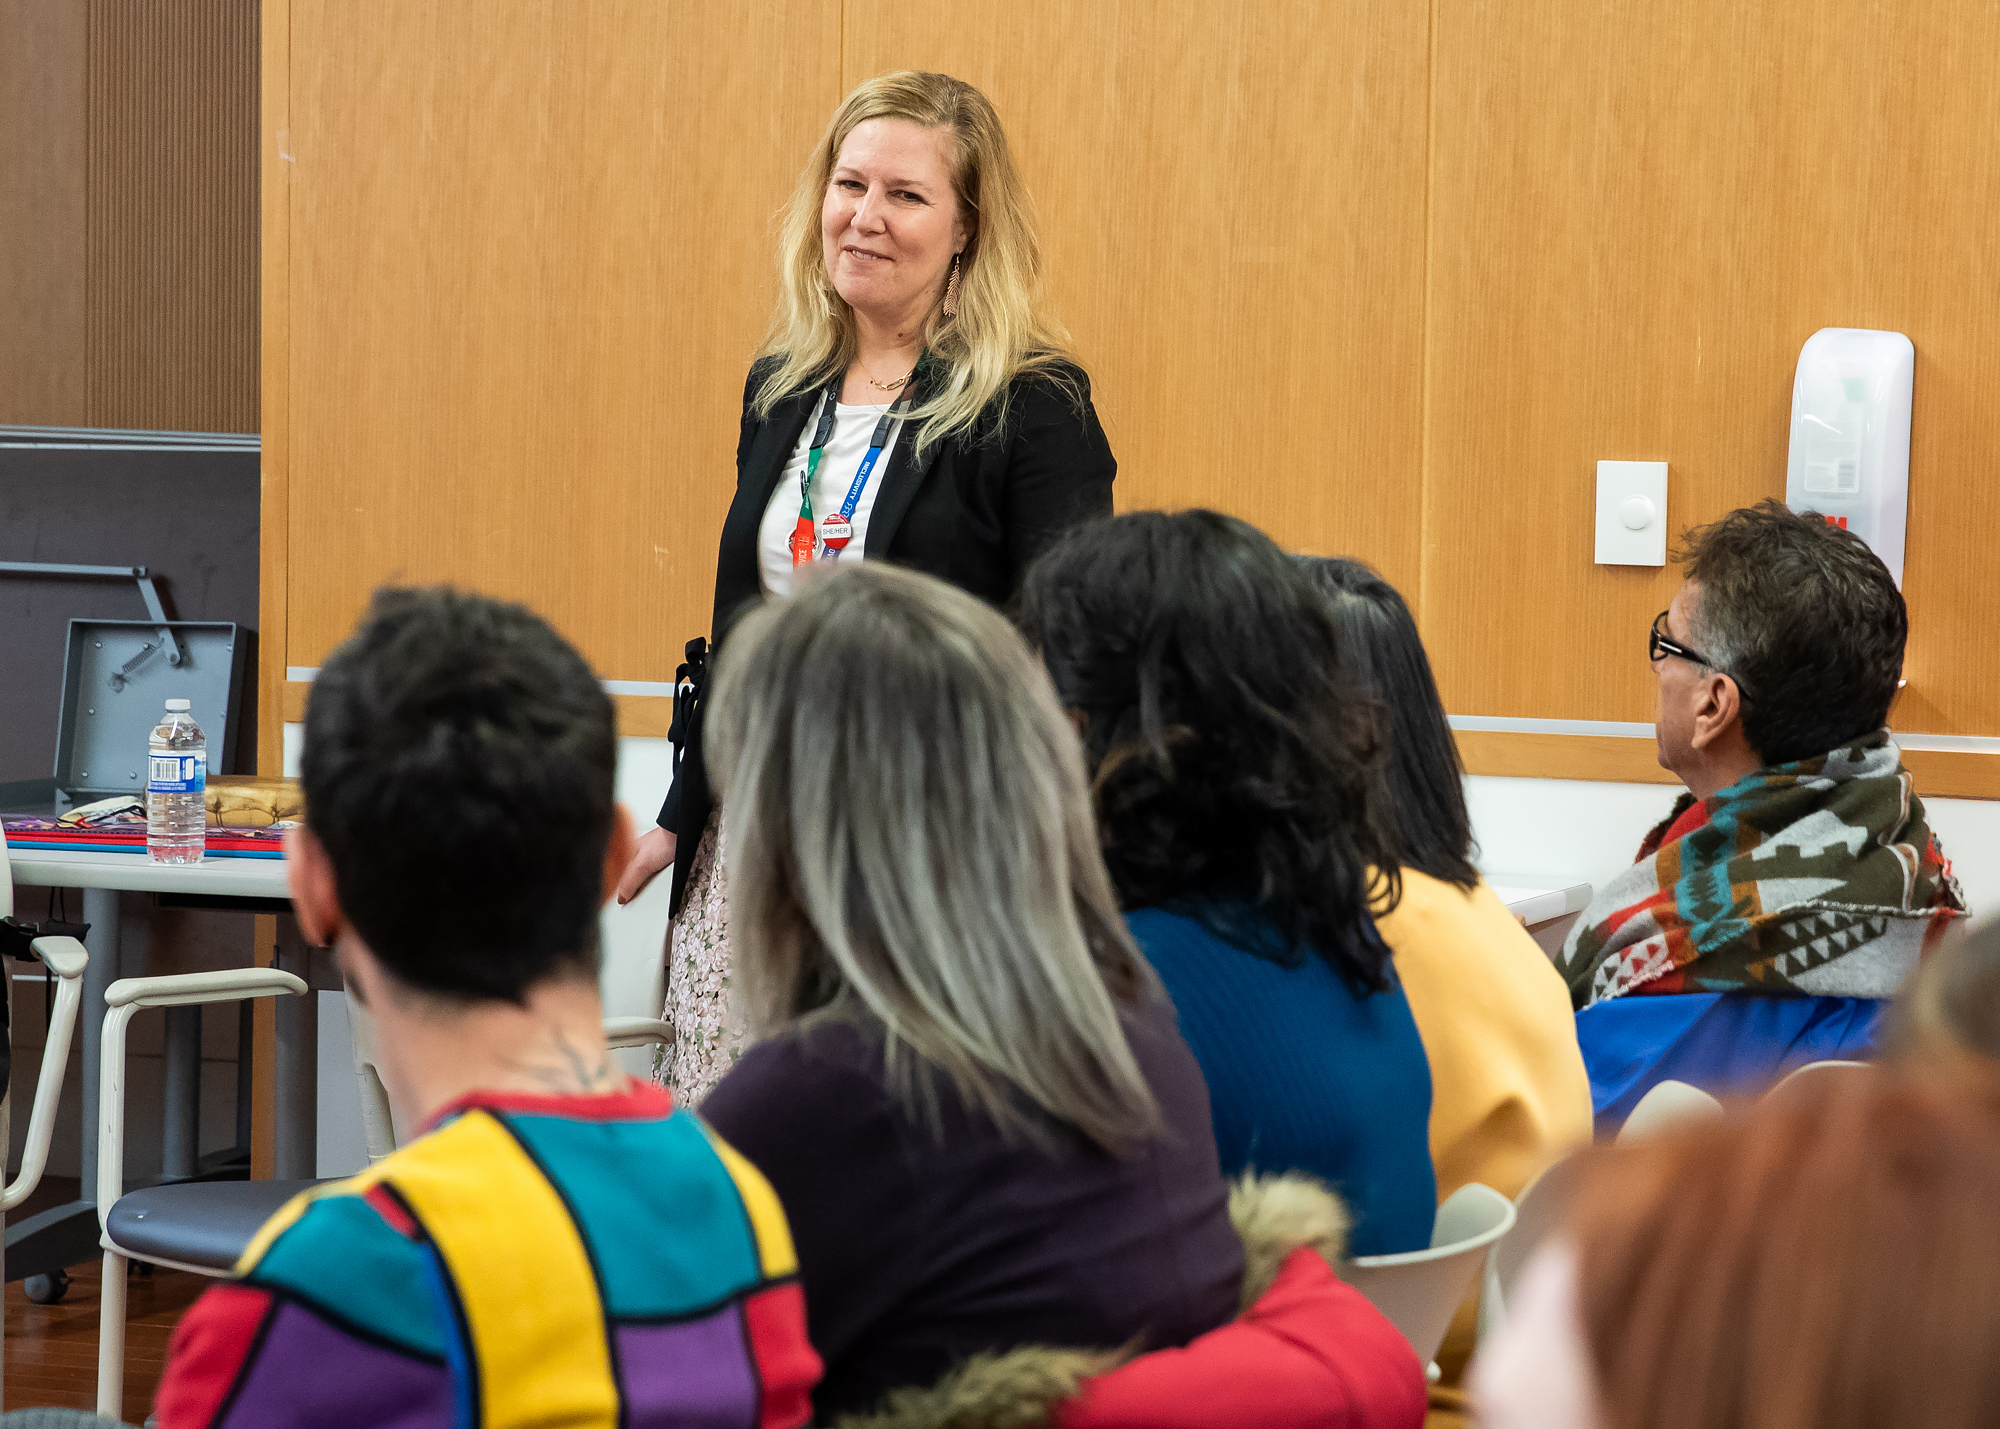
x,y
1659,645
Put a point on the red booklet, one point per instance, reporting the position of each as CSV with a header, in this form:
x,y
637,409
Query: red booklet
x,y
128,835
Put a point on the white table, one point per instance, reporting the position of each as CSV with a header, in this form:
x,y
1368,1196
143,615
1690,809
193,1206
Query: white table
x,y
1539,900
103,876
136,873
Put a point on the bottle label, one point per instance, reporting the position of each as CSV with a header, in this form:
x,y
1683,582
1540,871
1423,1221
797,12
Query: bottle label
x,y
177,774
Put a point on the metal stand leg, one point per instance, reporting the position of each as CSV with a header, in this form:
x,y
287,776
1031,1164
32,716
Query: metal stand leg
x,y
181,1132
100,910
297,1151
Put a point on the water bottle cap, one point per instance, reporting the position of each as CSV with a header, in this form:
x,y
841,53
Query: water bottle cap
x,y
178,705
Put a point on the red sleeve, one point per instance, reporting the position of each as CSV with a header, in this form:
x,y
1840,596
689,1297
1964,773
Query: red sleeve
x,y
787,1365
207,1353
1312,1353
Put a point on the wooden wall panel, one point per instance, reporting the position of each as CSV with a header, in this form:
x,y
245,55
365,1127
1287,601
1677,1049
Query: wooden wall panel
x,y
530,252
42,213
171,322
1232,204
1638,214
1384,276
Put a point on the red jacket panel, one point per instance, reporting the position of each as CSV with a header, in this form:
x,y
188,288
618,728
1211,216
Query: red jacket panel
x,y
1312,1353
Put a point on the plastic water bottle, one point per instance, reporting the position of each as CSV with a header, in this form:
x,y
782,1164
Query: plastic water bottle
x,y
177,788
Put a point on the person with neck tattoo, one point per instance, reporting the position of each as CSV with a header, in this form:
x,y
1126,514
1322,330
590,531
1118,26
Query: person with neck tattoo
x,y
558,1243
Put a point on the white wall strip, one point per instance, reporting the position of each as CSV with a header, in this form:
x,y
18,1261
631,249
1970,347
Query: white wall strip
x,y
1951,743
1503,724
657,689
1621,729
660,689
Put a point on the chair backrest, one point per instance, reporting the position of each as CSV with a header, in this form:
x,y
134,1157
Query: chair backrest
x,y
1813,1071
1418,1291
377,1122
1541,1210
1668,1104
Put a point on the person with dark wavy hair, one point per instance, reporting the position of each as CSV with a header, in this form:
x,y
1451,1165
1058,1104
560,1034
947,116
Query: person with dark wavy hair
x,y
1233,774
1508,1090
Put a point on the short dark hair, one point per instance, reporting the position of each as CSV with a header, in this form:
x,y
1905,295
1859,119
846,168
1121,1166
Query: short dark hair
x,y
1420,785
459,758
1230,765
1805,618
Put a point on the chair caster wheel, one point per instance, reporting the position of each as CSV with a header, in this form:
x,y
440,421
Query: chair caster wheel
x,y
46,1289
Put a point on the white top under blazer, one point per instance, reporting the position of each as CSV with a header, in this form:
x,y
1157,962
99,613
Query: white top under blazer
x,y
852,427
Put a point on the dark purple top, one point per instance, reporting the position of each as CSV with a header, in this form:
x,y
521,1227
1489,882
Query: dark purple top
x,y
918,1249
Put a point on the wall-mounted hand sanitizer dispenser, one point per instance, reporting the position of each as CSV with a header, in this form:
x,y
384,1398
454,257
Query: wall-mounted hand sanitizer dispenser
x,y
1850,456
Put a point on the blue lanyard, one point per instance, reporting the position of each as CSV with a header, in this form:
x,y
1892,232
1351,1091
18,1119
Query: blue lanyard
x,y
823,434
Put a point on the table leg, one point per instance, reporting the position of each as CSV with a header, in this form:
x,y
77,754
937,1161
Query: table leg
x,y
180,1145
246,1036
297,1148
100,910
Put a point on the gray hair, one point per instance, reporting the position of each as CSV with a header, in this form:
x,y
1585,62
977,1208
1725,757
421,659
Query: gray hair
x,y
910,843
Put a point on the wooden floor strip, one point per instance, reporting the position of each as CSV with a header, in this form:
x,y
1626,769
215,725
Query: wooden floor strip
x,y
52,1349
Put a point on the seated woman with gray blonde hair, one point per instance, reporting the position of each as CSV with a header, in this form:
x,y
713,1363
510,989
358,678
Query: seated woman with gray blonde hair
x,y
970,1095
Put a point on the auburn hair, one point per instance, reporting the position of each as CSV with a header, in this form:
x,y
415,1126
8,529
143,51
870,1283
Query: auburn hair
x,y
1830,1260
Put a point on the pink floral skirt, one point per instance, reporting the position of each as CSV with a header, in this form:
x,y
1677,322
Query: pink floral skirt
x,y
709,1032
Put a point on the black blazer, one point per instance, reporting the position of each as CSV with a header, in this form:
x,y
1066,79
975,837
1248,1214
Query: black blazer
x,y
977,509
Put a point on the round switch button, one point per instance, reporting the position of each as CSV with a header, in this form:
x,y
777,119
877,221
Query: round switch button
x,y
1637,512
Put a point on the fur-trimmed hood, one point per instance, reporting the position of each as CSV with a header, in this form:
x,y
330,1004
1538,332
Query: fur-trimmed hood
x,y
1022,1388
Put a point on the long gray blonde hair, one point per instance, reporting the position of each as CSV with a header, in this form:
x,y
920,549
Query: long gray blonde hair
x,y
1001,328
910,844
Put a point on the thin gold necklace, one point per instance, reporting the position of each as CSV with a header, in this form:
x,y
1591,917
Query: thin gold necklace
x,y
891,386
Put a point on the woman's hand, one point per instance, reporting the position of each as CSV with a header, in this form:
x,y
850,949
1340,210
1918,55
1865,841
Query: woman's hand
x,y
655,851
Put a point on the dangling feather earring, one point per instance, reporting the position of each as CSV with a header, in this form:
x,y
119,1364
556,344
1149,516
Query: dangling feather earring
x,y
951,290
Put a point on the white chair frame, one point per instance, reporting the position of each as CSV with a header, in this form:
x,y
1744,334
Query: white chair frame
x,y
1541,1210
65,958
125,999
1420,1290
1811,1071
1670,1103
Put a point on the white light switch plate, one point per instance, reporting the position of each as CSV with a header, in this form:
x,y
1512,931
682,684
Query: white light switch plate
x,y
1631,513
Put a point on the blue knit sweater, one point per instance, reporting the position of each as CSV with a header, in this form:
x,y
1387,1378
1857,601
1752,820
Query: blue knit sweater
x,y
1304,1075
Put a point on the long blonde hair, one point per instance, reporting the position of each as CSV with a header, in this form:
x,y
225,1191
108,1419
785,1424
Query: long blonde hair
x,y
1001,329
910,846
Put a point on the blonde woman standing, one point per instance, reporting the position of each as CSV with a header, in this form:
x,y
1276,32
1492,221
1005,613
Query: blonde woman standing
x,y
913,402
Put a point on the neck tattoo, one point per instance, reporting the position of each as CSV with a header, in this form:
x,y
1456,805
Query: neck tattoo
x,y
572,1073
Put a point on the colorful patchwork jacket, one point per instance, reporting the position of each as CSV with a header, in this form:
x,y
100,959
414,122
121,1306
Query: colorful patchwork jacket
x,y
531,1260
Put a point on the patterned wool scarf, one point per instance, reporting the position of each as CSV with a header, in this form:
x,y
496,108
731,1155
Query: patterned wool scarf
x,y
1818,876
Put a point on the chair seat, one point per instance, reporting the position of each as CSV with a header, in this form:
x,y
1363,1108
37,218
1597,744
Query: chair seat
x,y
206,1223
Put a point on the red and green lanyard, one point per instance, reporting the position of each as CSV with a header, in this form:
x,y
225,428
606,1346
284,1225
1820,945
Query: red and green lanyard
x,y
837,529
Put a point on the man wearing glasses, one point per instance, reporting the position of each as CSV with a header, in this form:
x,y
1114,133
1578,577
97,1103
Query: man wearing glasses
x,y
1793,886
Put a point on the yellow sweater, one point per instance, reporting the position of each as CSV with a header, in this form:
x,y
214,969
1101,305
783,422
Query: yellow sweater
x,y
1508,1090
